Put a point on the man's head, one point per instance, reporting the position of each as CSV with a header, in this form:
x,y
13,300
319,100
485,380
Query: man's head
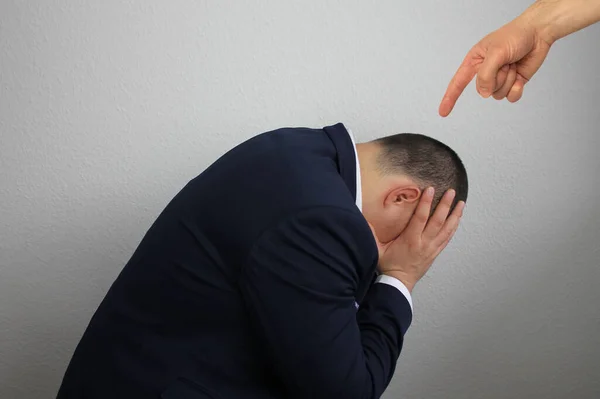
x,y
395,171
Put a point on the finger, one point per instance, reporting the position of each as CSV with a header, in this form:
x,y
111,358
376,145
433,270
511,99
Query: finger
x,y
511,78
419,219
437,220
461,79
455,227
501,77
516,91
449,227
441,248
486,77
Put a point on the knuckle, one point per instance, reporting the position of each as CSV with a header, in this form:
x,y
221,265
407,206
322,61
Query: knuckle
x,y
438,222
422,217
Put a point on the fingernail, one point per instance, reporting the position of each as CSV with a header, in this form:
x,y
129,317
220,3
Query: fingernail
x,y
430,191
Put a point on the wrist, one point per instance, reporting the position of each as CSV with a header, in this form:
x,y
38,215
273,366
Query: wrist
x,y
555,19
543,17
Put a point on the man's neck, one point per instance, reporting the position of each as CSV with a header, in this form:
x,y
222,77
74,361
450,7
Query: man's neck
x,y
367,159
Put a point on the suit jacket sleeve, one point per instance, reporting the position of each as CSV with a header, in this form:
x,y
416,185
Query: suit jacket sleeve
x,y
300,282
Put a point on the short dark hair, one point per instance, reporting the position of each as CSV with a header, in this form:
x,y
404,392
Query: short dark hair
x,y
426,160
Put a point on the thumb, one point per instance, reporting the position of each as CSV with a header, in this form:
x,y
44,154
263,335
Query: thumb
x,y
494,60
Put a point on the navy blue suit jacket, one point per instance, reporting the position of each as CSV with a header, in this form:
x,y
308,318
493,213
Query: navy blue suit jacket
x,y
245,287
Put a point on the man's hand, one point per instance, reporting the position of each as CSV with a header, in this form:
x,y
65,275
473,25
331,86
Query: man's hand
x,y
508,58
409,256
504,61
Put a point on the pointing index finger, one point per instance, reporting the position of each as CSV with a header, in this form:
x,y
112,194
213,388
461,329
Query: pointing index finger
x,y
461,79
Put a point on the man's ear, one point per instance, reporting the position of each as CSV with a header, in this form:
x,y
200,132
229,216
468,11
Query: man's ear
x,y
404,195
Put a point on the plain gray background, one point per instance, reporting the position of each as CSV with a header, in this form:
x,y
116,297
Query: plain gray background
x,y
107,108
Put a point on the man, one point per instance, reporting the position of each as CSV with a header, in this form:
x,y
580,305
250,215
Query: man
x,y
248,283
505,60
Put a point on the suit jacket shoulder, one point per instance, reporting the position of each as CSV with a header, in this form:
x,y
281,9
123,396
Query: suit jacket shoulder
x,y
265,180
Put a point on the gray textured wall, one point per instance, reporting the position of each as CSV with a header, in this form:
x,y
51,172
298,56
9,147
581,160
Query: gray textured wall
x,y
108,108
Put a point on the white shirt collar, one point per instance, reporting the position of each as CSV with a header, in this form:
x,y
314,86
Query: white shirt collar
x,y
358,181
